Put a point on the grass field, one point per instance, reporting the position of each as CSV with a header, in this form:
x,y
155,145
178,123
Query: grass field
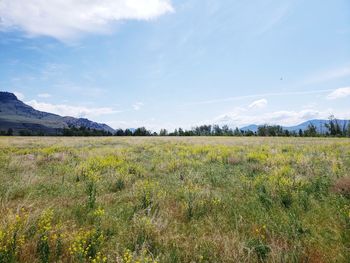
x,y
174,199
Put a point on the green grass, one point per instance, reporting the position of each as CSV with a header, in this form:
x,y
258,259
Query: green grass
x,y
174,199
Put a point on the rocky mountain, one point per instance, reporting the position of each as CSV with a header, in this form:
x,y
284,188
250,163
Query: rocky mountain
x,y
19,117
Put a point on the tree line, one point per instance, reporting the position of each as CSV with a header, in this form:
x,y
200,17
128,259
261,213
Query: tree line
x,y
69,131
332,128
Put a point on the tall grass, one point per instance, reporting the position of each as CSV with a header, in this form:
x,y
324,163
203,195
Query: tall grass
x,y
174,200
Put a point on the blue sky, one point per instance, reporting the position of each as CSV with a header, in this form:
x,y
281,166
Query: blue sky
x,y
159,63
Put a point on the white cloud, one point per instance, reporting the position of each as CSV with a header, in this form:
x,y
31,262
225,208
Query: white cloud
x,y
19,95
67,19
241,117
73,111
137,105
44,95
151,124
258,104
339,93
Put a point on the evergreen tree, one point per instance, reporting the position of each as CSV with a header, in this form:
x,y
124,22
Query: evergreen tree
x,y
237,132
163,132
9,132
311,131
141,132
119,132
333,127
225,130
128,132
181,132
301,134
217,131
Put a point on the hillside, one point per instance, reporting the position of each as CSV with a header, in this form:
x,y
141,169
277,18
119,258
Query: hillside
x,y
19,116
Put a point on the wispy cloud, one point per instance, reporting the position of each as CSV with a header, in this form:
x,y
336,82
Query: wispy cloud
x,y
137,106
44,95
272,94
339,93
70,110
66,20
328,75
258,104
70,87
274,19
50,70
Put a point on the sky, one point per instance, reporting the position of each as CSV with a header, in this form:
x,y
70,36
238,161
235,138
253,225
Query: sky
x,y
178,63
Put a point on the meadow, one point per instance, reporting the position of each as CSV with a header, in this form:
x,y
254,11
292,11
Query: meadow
x,y
164,199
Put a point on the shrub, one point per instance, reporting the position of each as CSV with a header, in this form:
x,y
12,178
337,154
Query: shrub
x,y
86,246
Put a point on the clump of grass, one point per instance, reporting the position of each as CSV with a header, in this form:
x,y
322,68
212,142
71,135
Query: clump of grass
x,y
118,185
12,236
191,193
91,191
145,232
44,228
50,243
148,194
142,257
86,246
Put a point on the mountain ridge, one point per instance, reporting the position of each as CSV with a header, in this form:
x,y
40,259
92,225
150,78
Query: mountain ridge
x,y
20,117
